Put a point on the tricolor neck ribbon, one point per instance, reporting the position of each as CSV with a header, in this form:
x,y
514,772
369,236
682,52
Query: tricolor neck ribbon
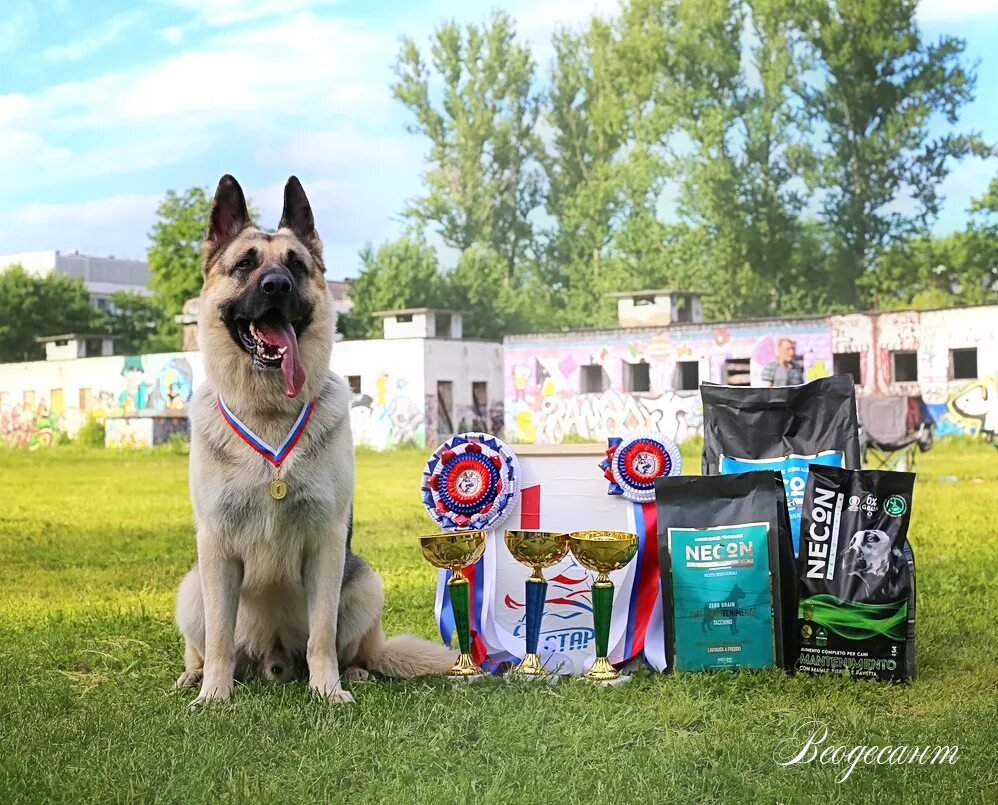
x,y
274,456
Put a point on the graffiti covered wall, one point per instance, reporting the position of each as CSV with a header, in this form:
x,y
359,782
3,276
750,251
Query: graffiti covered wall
x,y
143,398
544,383
548,400
41,399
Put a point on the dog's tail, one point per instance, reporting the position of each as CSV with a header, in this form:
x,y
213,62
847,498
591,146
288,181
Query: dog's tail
x,y
407,656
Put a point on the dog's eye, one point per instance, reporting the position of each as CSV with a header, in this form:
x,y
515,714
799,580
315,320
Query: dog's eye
x,y
245,264
295,263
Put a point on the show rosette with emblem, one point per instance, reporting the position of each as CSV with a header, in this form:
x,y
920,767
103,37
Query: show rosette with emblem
x,y
634,461
470,481
549,487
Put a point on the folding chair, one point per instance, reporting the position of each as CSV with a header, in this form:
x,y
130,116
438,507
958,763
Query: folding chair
x,y
893,431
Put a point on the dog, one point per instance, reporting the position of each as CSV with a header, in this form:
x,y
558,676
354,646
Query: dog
x,y
275,578
871,561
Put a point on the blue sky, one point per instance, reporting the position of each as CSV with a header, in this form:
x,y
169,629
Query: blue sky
x,y
106,104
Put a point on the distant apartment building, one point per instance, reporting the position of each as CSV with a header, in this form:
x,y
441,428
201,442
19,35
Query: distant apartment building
x,y
103,276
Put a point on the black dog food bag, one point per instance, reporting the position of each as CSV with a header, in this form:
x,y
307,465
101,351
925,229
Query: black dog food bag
x,y
785,428
728,577
857,574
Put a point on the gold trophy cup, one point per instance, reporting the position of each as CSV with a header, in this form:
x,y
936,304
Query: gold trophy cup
x,y
454,551
603,552
537,549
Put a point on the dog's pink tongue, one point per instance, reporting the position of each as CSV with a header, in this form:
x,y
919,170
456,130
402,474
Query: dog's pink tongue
x,y
283,335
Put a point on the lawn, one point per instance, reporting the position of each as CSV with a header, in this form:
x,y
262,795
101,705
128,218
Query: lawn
x,y
93,543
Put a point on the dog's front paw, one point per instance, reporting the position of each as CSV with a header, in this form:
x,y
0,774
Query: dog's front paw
x,y
213,692
331,690
356,674
188,679
339,696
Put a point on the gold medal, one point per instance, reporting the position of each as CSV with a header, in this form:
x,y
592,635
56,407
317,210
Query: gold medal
x,y
278,489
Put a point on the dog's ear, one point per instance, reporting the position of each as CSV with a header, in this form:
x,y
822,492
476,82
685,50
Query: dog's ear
x,y
229,215
297,215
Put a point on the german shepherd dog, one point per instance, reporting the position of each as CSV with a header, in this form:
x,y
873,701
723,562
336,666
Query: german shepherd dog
x,y
276,591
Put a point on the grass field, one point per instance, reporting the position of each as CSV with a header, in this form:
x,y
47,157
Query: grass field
x,y
92,545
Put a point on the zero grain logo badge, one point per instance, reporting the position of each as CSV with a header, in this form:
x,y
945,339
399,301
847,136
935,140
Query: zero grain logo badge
x,y
895,506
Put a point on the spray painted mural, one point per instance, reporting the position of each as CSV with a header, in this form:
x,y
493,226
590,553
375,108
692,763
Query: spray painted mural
x,y
972,409
546,382
60,400
388,419
28,425
547,376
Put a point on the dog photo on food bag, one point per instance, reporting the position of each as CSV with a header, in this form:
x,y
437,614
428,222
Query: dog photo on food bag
x,y
276,580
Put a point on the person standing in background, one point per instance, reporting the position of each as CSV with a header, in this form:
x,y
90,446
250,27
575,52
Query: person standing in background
x,y
786,370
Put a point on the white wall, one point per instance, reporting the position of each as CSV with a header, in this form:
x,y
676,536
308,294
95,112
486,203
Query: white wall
x,y
463,363
420,325
390,408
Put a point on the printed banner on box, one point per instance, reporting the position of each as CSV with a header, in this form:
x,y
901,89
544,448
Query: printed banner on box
x,y
722,597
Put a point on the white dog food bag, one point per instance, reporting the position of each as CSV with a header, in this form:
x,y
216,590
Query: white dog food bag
x,y
857,574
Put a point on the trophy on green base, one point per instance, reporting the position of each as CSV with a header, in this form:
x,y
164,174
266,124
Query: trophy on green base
x,y
538,549
603,552
454,551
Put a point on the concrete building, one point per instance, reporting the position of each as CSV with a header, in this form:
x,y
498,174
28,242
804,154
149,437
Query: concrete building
x,y
423,381
103,276
407,389
591,384
657,308
75,345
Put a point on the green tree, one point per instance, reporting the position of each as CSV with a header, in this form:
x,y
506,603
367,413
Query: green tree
x,y
175,247
927,271
482,182
32,306
490,308
667,99
881,86
401,274
140,324
743,150
600,180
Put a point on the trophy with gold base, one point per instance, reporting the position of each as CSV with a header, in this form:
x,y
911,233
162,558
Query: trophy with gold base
x,y
538,549
603,552
454,551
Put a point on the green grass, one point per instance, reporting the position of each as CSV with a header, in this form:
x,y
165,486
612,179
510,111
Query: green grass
x,y
93,543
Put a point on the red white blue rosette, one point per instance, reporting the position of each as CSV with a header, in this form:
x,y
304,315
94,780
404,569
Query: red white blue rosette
x,y
471,481
635,460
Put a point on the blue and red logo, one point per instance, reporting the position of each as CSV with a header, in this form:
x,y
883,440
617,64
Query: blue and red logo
x,y
568,612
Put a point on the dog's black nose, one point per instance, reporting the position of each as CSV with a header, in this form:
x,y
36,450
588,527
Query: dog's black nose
x,y
275,283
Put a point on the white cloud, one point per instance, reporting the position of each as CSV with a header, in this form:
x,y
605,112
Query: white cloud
x,y
93,40
102,210
173,34
344,151
537,21
343,209
227,12
89,226
932,12
300,65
